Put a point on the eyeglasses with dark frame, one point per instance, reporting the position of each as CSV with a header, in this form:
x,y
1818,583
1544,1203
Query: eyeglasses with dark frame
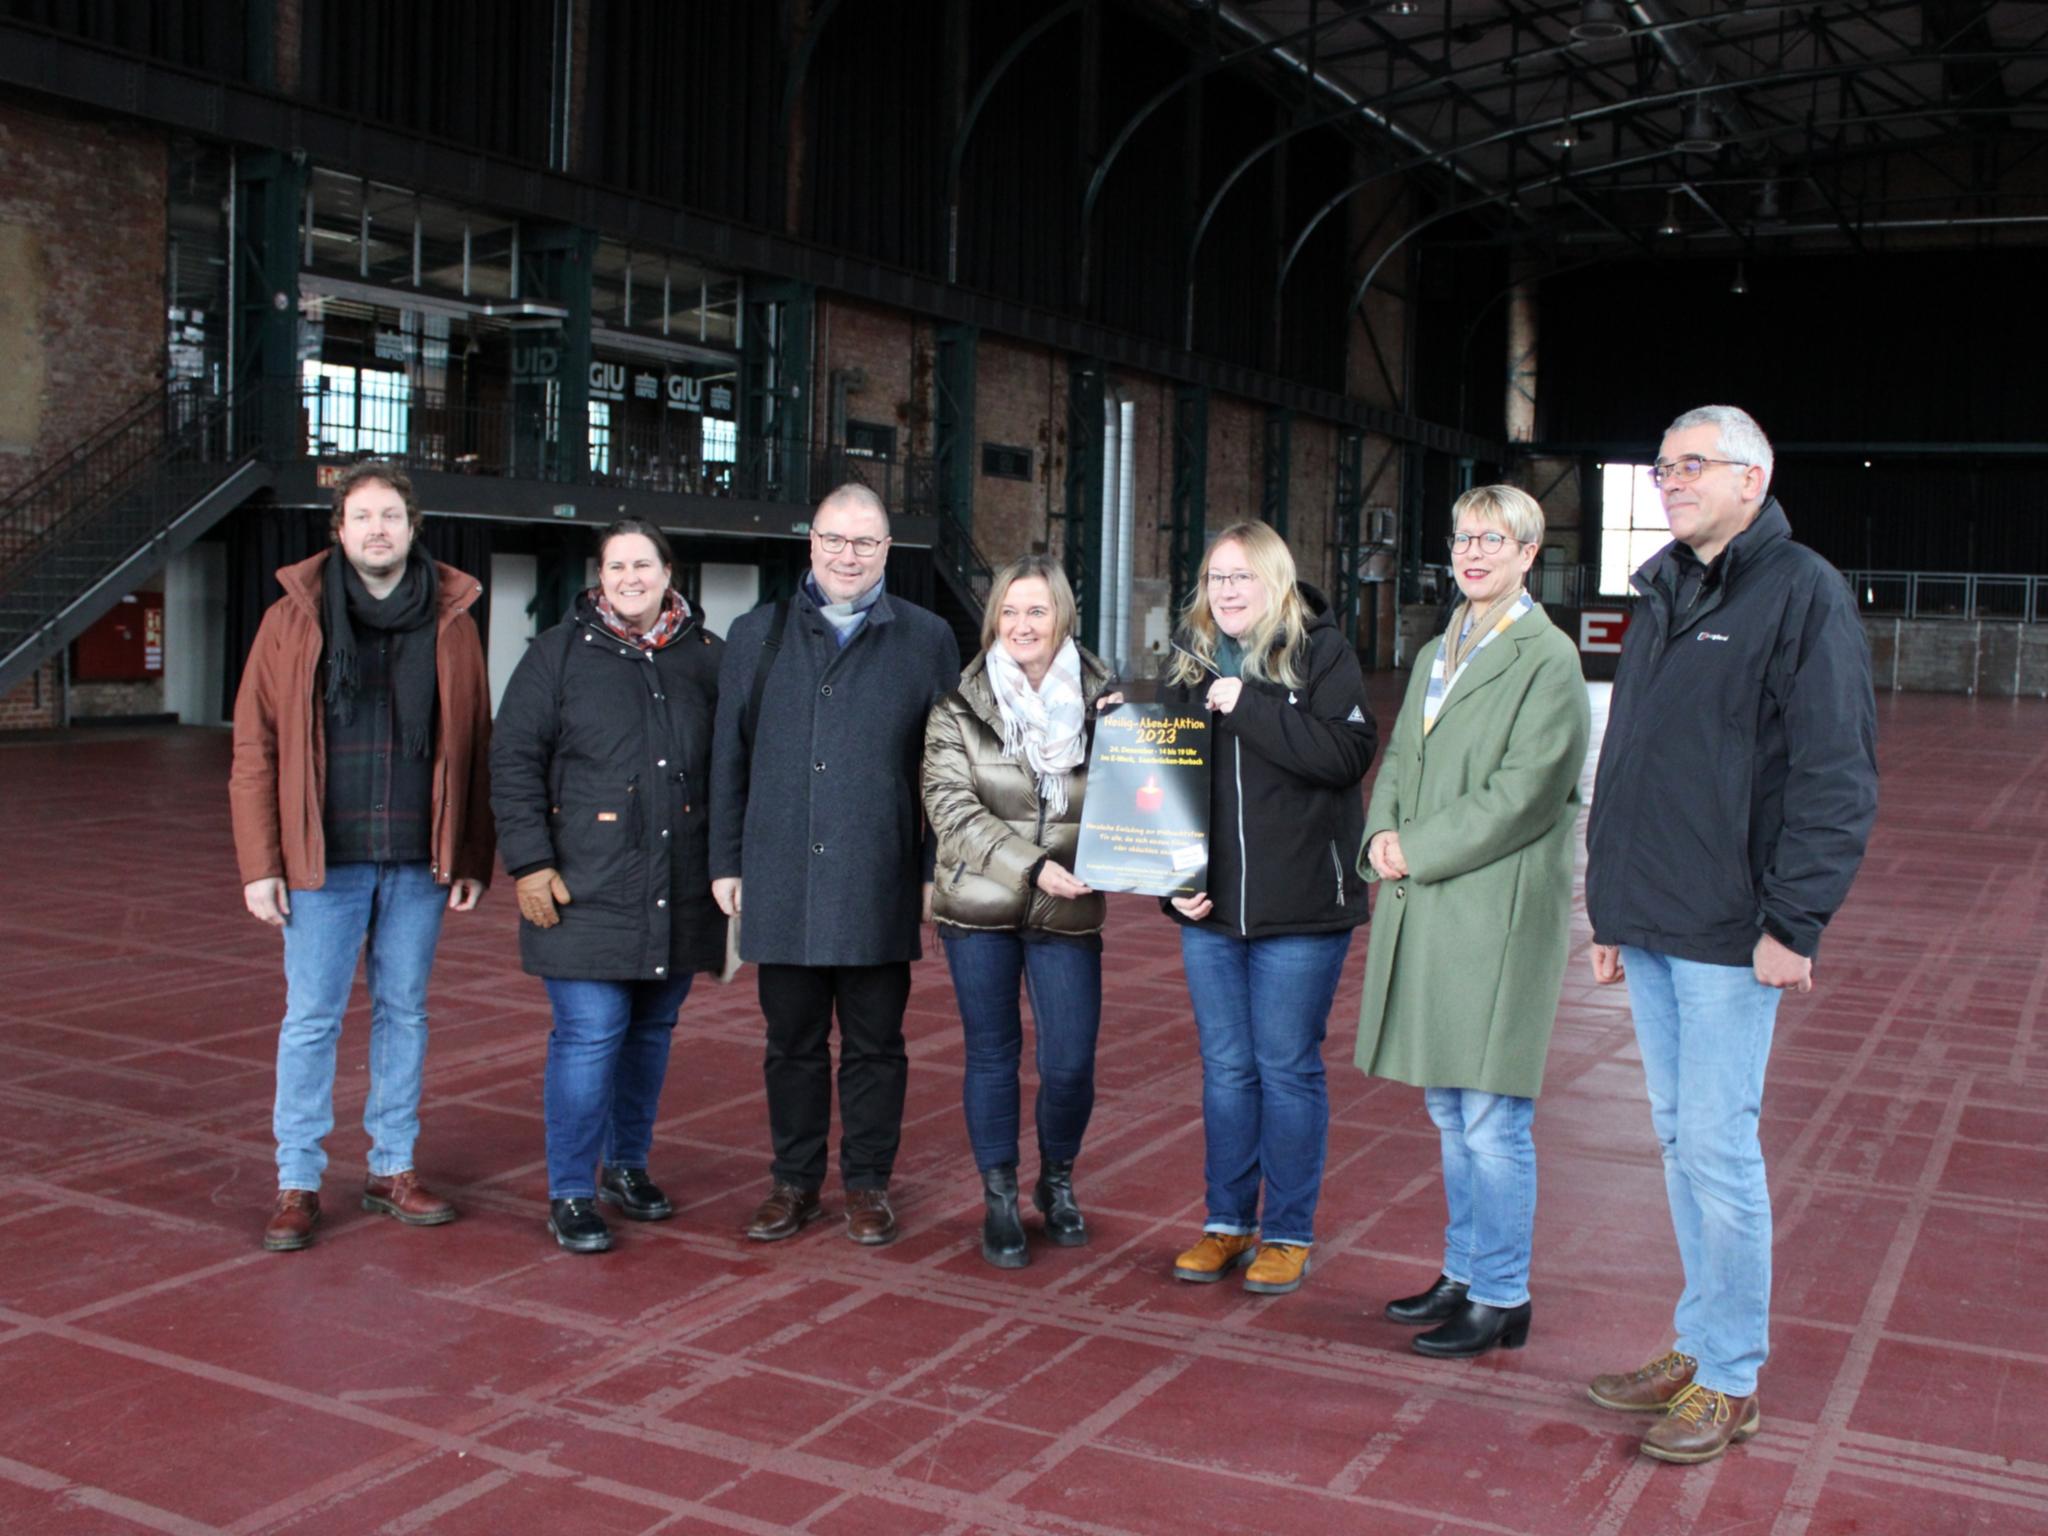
x,y
866,546
1492,541
1687,467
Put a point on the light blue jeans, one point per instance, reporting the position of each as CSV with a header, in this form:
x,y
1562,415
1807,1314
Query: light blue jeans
x,y
398,909
1262,1007
1489,1190
1705,1033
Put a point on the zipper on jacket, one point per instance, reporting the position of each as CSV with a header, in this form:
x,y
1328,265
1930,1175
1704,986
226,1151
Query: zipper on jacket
x,y
1337,865
1237,772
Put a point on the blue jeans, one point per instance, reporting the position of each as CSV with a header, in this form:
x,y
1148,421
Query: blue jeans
x,y
1065,980
398,908
1489,1190
1262,1007
607,1057
1705,1033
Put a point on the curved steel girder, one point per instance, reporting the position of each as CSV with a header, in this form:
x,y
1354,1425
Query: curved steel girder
x,y
1571,174
1640,104
1422,89
799,68
1139,118
1010,55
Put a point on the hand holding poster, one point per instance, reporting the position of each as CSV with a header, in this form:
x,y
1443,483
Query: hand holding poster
x,y
1145,817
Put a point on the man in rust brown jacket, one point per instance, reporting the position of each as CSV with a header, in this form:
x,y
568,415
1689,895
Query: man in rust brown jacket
x,y
362,814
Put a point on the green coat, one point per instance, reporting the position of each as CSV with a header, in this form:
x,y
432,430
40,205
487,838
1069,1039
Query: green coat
x,y
1468,952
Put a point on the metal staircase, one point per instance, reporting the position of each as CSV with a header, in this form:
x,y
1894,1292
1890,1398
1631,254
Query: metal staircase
x,y
109,514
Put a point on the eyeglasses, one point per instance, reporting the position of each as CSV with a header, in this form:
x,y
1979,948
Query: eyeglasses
x,y
1686,469
1234,581
1492,541
865,546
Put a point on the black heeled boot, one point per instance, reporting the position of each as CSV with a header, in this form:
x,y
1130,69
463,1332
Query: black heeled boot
x,y
1053,1194
1441,1300
1002,1232
1474,1330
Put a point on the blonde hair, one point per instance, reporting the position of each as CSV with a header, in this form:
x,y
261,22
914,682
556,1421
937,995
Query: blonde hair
x,y
1023,568
1273,646
1505,506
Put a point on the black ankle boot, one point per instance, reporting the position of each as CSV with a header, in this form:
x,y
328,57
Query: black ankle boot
x,y
1474,1329
1440,1301
1002,1233
1053,1194
577,1226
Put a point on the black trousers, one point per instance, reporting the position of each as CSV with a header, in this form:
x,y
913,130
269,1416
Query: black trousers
x,y
797,1001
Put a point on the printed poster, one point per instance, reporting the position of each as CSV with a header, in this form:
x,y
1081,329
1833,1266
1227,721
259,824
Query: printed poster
x,y
1145,817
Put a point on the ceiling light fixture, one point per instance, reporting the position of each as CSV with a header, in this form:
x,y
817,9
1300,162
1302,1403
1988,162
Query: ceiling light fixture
x,y
1767,204
1599,22
1567,135
1670,226
1741,284
1697,136
1403,7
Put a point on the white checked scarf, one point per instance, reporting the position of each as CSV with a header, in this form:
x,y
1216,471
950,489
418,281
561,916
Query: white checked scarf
x,y
1041,725
1439,685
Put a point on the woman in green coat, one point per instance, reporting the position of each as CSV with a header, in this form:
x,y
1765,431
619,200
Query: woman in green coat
x,y
1469,833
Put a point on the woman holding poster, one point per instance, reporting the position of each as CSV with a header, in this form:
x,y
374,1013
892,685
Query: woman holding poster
x,y
1005,764
1471,842
1263,946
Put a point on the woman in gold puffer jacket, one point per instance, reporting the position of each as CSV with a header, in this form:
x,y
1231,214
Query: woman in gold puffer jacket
x,y
1005,764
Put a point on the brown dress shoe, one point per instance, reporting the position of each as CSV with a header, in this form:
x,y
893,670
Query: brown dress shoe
x,y
786,1212
404,1196
868,1217
1701,1424
292,1223
1648,1390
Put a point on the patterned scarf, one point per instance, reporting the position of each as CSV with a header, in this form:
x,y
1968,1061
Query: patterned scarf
x,y
1441,675
675,613
845,618
1041,725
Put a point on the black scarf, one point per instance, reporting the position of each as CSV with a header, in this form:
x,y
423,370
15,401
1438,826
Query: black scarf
x,y
408,615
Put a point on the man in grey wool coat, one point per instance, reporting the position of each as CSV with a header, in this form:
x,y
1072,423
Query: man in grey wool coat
x,y
816,818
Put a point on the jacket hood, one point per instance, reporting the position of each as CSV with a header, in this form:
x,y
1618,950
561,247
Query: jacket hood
x,y
1768,527
302,582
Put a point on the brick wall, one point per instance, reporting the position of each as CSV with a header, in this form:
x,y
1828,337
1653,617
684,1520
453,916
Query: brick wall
x,y
885,345
33,706
82,241
1236,451
1020,392
114,701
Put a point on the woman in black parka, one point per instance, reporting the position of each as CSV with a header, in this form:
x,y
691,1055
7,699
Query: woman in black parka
x,y
600,760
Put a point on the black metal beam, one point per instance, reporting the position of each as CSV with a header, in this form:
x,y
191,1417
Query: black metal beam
x,y
45,64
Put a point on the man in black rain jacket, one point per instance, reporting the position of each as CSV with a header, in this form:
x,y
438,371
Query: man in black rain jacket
x,y
1736,789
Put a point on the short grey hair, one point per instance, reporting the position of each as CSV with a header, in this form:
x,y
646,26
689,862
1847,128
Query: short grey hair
x,y
854,494
1508,507
1740,437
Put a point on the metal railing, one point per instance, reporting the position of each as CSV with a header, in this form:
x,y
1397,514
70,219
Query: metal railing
x,y
89,511
1999,598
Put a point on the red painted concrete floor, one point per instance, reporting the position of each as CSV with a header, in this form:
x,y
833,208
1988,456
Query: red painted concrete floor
x,y
159,1372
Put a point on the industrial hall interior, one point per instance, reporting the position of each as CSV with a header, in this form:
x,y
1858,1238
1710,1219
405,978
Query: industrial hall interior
x,y
1104,767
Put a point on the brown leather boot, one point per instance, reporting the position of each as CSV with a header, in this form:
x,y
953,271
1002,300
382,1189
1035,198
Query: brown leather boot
x,y
1647,1390
404,1196
1701,1424
869,1221
786,1212
292,1223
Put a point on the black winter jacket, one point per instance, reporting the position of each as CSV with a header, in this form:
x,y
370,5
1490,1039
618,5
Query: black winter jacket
x,y
1738,777
600,766
1285,810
